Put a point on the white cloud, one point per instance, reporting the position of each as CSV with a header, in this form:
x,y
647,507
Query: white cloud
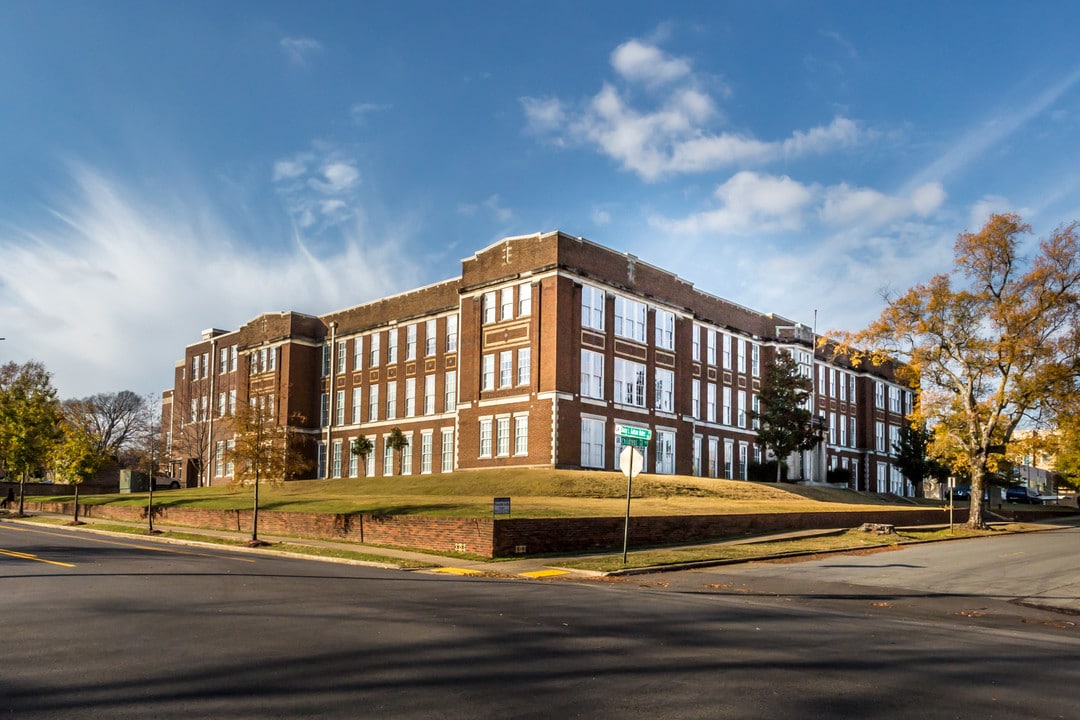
x,y
298,49
845,205
675,132
638,62
359,111
600,216
288,169
336,177
108,294
985,207
318,187
749,203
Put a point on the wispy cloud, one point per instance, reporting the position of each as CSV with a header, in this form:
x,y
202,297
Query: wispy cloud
x,y
299,49
318,186
110,291
670,129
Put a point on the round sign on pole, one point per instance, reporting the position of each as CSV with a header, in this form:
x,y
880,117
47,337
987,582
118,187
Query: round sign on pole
x,y
631,461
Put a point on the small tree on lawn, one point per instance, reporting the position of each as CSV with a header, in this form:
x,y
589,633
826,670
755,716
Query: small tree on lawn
x,y
397,442
75,457
263,451
362,447
786,424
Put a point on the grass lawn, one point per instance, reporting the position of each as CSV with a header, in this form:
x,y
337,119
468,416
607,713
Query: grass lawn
x,y
533,493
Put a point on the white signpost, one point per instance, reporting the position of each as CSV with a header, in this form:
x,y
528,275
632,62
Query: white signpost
x,y
631,461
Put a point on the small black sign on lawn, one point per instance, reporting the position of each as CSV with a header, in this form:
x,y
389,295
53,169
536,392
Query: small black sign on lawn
x,y
501,506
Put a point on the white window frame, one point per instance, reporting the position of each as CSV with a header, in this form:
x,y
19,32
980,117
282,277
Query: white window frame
x,y
629,382
665,390
593,439
592,307
592,374
665,329
524,365
630,318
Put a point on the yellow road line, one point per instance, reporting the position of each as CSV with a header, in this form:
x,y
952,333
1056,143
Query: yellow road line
x,y
155,548
457,571
543,573
26,556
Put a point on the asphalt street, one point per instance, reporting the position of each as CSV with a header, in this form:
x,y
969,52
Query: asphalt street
x,y
107,627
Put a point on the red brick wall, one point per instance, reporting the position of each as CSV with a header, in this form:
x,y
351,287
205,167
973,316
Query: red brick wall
x,y
489,537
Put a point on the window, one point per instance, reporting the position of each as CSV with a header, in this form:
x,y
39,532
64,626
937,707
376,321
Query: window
x,y
908,399
740,346
630,319
429,338
320,460
521,434
410,397
485,437
843,386
324,409
373,351
354,460
843,430
851,388
665,452
741,398
726,418
425,451
821,372
373,403
695,460
326,351
447,451
524,299
592,443
410,342
356,405
342,357
391,346
851,430
488,374
755,360
695,398
592,307
727,353
271,358
358,354
743,447
665,390
339,408
233,355
391,400
206,364
832,381
665,329
714,458
450,391
879,436
832,428
387,459
729,459
223,360
336,460
710,402
695,342
406,455
879,395
219,458
230,468
232,402
710,347
195,362
894,399
369,462
429,395
894,439
592,374
221,404
524,365
502,436
487,303
506,368
629,382
755,409
451,333
506,303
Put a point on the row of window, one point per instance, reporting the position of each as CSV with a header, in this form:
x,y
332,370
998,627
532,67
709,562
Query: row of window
x,y
497,430
339,356
594,440
629,320
499,305
897,398
343,460
733,350
510,373
390,408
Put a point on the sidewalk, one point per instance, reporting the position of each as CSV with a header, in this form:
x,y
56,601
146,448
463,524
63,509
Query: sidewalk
x,y
533,567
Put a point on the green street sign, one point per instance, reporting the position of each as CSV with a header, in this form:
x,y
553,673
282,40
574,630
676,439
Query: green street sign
x,y
628,432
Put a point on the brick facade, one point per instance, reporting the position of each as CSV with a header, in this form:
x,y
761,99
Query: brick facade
x,y
530,357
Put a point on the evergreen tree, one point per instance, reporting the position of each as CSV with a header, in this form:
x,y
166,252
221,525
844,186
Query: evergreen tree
x,y
786,424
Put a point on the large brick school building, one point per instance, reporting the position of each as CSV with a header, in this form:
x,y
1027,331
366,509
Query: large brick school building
x,y
529,358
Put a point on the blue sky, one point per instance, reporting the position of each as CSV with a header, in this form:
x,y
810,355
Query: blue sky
x,y
167,167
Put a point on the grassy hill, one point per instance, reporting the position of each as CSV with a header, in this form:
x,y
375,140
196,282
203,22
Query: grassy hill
x,y
533,493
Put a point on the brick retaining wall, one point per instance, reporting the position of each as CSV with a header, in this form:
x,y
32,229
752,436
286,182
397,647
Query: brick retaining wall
x,y
505,537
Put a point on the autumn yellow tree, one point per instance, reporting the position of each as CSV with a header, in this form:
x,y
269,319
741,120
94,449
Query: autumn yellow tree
x,y
991,345
262,451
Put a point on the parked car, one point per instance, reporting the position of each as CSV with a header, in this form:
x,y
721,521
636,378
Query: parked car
x,y
1024,495
963,492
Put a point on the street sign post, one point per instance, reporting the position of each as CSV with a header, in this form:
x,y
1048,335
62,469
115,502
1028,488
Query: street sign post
x,y
631,438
